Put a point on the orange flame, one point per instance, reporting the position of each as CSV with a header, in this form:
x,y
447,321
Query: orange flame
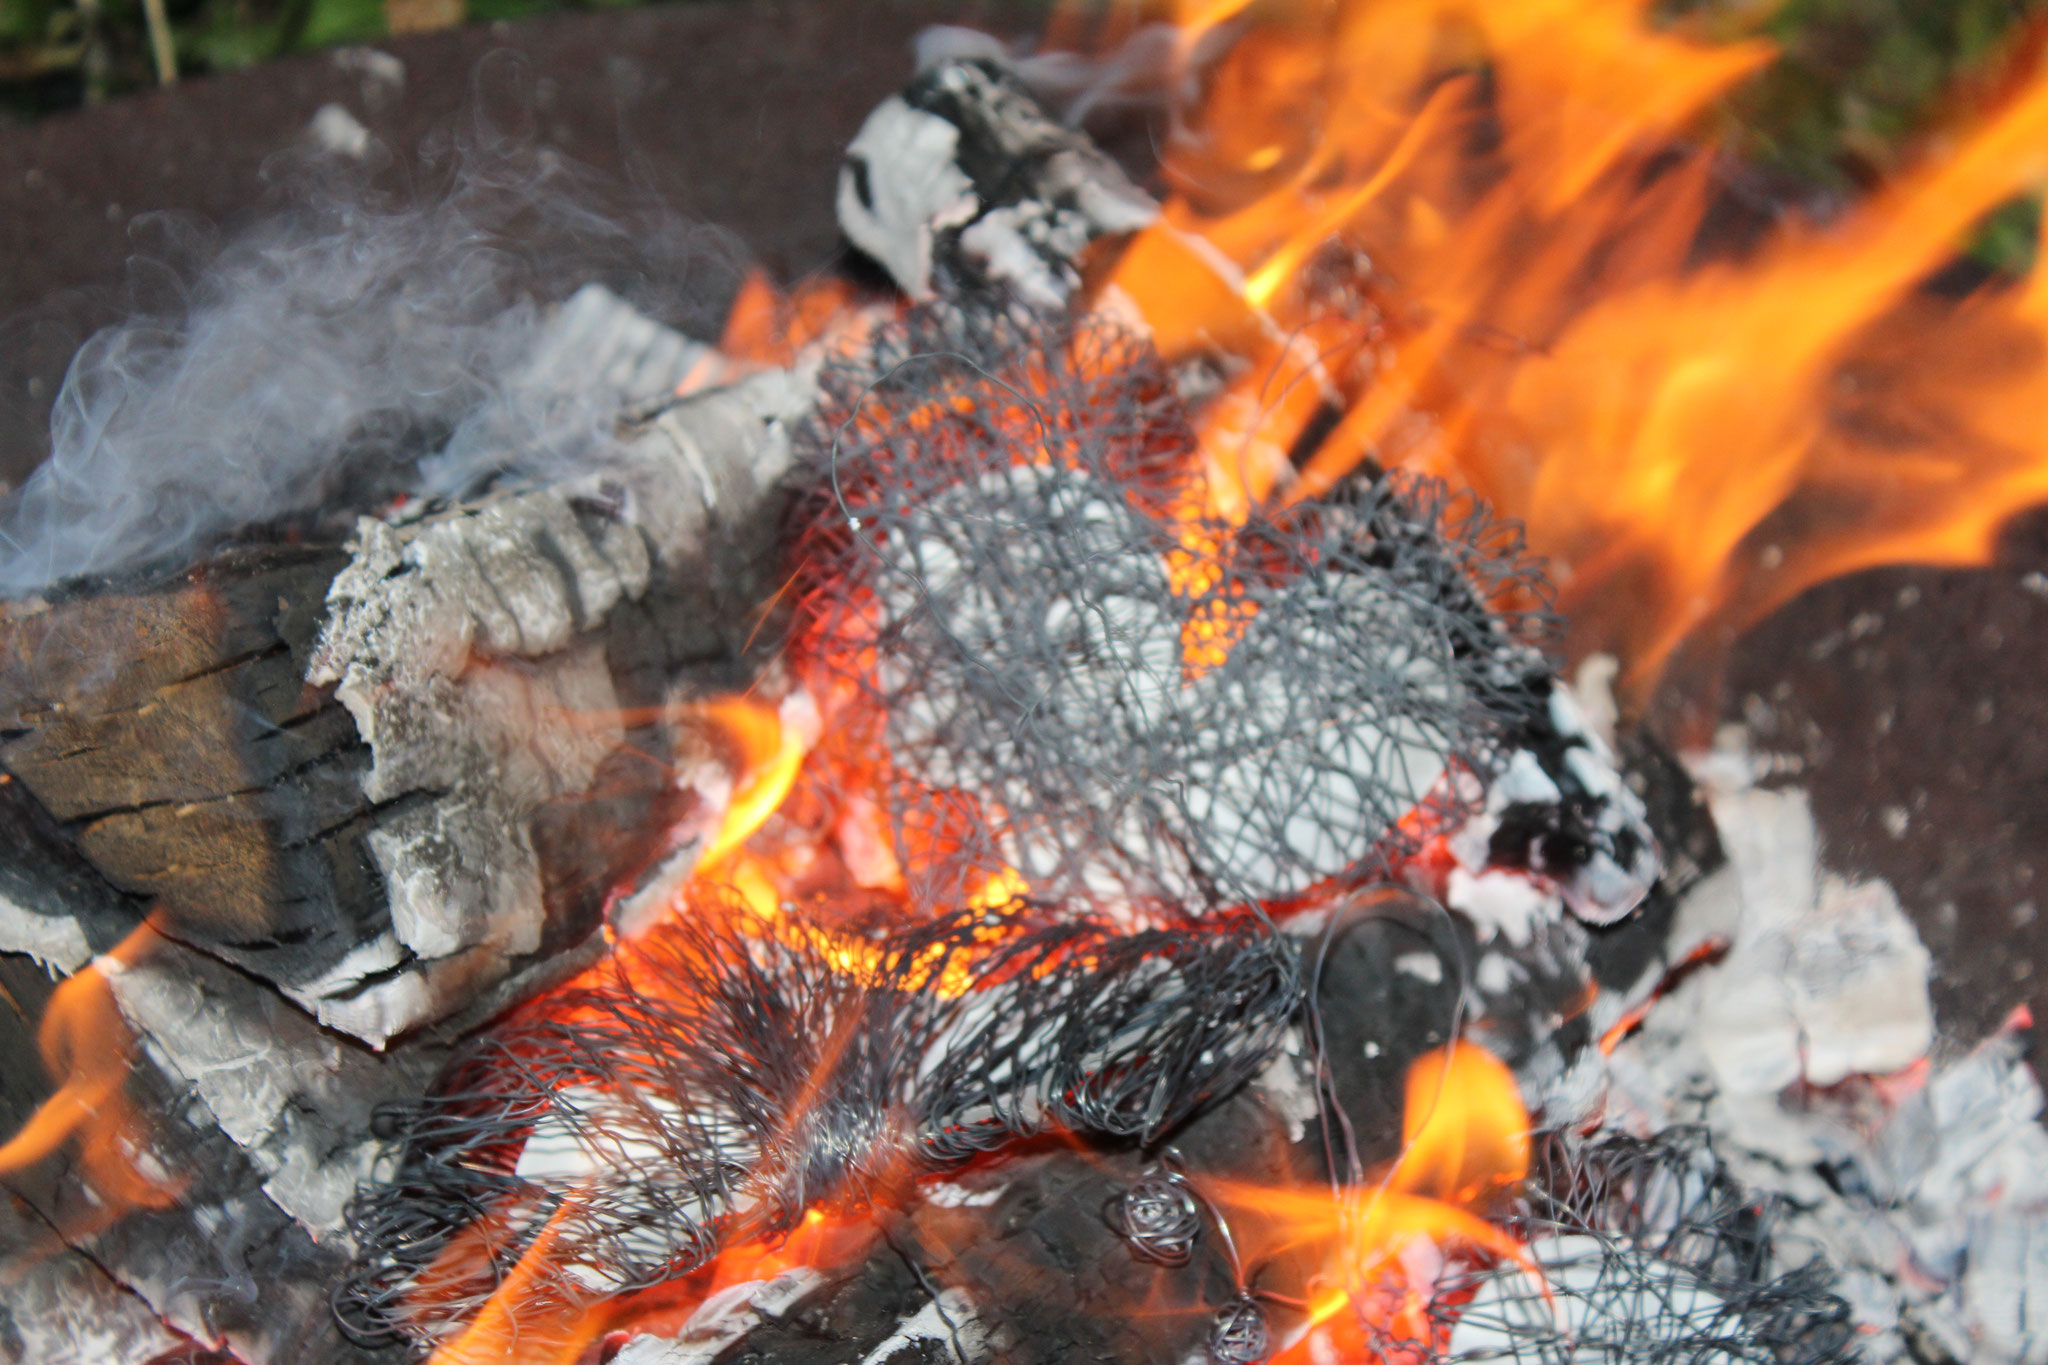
x,y
1465,1140
523,1322
770,754
87,1045
769,327
1480,215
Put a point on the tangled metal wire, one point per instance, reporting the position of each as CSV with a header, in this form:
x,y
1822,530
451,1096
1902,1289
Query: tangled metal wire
x,y
1239,1334
713,1082
1070,670
1651,1254
1080,673
1159,1217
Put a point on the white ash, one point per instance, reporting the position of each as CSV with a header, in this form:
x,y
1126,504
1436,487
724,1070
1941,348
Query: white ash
x,y
1504,903
945,1328
1566,776
56,942
335,130
1824,979
964,181
1804,1051
296,1099
1422,966
1288,1086
58,1308
907,192
721,1320
954,1194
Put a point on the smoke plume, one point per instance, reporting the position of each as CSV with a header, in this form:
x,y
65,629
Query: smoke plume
x,y
368,338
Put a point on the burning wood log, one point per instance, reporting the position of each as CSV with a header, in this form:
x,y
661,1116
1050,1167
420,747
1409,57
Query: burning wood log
x,y
376,777
393,783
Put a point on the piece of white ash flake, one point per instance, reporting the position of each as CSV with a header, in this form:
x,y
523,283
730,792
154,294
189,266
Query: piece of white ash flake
x,y
1824,979
721,1320
951,1194
947,1323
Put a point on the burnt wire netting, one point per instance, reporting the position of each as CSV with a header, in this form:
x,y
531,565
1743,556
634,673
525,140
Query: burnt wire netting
x,y
1651,1254
713,1081
1080,673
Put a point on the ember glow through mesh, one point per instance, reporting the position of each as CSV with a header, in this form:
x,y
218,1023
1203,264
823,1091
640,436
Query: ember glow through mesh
x,y
716,1080
1079,673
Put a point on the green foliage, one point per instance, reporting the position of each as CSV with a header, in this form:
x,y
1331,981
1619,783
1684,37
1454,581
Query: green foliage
x,y
1856,77
1857,80
330,22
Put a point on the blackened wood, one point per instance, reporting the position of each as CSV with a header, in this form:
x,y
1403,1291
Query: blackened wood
x,y
166,726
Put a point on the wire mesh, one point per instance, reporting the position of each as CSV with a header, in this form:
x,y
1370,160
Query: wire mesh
x,y
1078,672
1651,1254
713,1082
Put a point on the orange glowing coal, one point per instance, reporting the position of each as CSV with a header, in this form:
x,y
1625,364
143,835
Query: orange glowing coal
x,y
1468,237
1465,1142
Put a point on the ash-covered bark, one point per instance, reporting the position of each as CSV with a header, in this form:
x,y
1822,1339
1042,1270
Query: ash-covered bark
x,y
221,1264
964,183
62,1309
374,775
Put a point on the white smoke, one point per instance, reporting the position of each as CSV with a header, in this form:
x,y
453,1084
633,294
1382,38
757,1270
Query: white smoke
x,y
321,356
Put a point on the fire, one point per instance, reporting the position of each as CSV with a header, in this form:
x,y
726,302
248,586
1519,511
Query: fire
x,y
769,751
769,327
1470,237
1464,1130
1465,1142
87,1046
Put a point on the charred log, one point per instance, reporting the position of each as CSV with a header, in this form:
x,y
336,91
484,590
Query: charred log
x,y
965,184
384,776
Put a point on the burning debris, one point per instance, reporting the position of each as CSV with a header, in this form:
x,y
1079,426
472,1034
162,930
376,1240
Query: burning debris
x,y
1164,709
717,1082
1027,821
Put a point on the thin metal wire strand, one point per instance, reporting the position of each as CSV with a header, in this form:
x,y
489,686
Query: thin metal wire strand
x,y
1657,1256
